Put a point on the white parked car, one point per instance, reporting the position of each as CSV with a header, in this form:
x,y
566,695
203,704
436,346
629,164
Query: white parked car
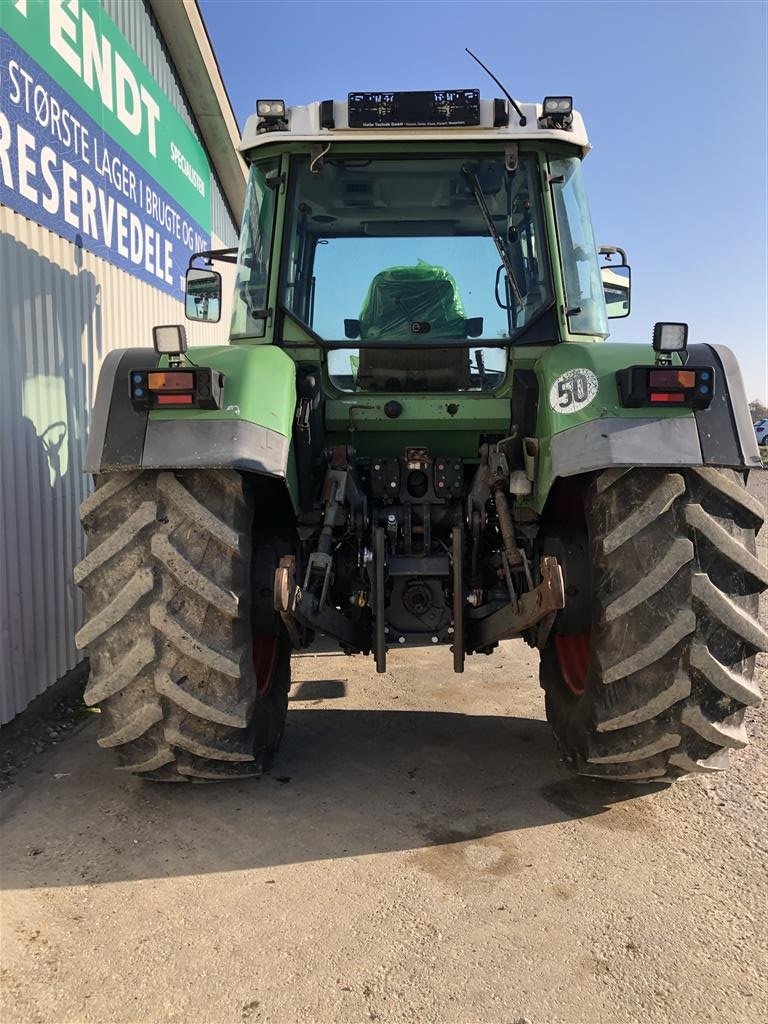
x,y
761,431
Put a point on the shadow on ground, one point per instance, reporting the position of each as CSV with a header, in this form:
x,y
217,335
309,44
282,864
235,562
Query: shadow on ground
x,y
319,689
348,782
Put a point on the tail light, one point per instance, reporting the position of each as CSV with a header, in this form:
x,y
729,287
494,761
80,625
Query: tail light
x,y
200,388
692,387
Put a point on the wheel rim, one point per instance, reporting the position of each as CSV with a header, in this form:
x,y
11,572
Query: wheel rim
x,y
573,659
264,658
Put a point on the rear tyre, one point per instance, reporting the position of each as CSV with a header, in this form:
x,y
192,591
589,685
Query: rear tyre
x,y
658,686
186,691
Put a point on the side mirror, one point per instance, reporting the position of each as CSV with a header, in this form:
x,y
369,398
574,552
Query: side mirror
x,y
474,326
203,295
616,288
351,329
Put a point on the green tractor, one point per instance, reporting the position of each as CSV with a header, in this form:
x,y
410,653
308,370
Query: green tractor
x,y
417,438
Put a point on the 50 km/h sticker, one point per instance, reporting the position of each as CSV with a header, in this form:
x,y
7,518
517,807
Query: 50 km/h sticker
x,y
572,391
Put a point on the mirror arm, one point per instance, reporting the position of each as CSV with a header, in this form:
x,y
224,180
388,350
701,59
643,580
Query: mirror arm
x,y
209,255
613,250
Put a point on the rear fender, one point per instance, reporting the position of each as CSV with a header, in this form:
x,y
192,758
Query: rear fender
x,y
590,432
251,431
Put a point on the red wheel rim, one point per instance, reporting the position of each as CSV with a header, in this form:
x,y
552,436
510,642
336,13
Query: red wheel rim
x,y
264,658
573,659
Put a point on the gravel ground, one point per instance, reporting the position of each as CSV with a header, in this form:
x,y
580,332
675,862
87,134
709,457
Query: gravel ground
x,y
418,855
44,724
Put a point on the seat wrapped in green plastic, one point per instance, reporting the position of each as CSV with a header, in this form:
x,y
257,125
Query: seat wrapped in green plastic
x,y
401,296
397,298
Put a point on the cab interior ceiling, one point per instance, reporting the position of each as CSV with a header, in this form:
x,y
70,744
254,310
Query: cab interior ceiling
x,y
396,200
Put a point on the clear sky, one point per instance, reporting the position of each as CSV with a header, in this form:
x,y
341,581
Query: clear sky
x,y
674,96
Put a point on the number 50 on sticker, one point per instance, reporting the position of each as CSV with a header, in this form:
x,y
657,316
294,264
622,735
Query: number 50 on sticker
x,y
572,391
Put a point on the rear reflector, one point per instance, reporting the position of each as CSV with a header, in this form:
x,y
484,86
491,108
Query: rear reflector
x,y
667,396
174,399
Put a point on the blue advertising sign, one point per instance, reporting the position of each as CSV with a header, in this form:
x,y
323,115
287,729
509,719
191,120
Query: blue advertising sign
x,y
59,168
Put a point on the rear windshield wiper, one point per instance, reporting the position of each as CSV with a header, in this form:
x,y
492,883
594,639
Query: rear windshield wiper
x,y
477,188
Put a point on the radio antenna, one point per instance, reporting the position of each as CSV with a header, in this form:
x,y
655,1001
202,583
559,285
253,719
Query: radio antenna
x,y
521,115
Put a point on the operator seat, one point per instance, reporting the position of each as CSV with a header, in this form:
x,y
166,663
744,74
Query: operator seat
x,y
418,303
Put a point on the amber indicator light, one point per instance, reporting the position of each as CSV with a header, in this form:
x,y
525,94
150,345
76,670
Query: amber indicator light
x,y
172,382
670,379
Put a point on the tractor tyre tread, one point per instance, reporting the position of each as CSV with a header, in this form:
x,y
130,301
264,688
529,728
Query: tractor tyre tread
x,y
168,628
675,627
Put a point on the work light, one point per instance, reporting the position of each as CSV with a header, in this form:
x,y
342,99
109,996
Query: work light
x,y
170,340
559,107
270,108
670,337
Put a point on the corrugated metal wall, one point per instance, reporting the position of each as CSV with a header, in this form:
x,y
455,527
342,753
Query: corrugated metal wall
x,y
62,310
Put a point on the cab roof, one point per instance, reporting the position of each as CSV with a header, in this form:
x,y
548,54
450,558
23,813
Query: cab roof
x,y
304,124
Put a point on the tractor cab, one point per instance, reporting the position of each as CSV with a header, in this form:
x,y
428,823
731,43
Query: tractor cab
x,y
459,224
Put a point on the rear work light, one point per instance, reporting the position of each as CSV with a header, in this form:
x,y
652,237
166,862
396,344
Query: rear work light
x,y
200,388
692,388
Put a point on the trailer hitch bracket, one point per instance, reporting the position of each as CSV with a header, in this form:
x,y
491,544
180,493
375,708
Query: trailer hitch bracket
x,y
534,606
